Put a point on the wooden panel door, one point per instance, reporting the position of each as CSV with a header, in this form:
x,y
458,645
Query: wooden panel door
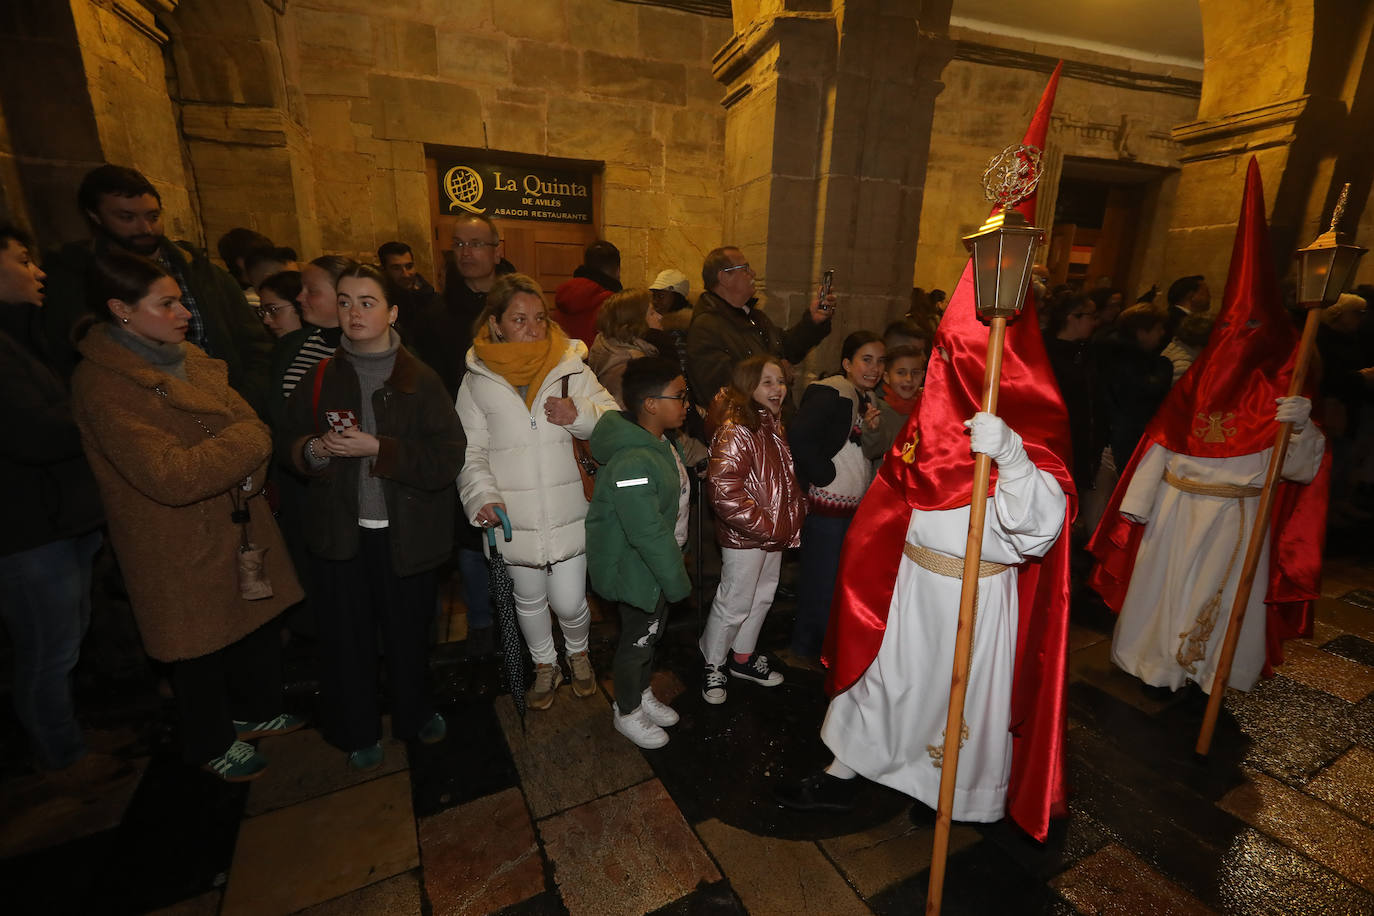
x,y
547,251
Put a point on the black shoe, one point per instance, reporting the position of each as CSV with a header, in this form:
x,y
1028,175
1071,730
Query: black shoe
x,y
1157,694
818,792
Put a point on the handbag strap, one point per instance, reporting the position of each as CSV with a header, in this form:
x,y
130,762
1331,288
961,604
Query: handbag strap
x,y
315,395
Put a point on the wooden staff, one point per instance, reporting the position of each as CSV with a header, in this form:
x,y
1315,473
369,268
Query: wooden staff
x,y
1258,533
963,636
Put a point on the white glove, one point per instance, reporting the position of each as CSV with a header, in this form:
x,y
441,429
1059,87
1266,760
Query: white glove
x,y
991,436
1293,410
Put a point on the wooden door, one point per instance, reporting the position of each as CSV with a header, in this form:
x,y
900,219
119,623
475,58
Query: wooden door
x,y
548,251
1111,257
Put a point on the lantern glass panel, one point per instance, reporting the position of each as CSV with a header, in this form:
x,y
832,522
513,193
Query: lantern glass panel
x,y
1314,268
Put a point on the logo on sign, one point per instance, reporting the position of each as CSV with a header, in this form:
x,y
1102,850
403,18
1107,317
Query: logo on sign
x,y
464,188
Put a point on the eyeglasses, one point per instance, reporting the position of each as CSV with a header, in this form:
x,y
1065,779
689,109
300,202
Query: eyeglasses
x,y
744,266
683,397
269,311
459,245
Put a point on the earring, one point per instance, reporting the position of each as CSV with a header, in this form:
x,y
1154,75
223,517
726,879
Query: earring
x,y
125,320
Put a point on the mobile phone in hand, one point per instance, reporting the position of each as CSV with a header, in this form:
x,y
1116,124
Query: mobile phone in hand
x,y
340,420
827,281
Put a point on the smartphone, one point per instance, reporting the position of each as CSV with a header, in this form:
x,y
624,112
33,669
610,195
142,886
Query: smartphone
x,y
340,420
827,281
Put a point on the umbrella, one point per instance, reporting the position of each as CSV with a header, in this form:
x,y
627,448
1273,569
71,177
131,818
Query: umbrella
x,y
503,600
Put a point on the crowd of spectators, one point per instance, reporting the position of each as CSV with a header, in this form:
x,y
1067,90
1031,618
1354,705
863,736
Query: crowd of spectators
x,y
315,443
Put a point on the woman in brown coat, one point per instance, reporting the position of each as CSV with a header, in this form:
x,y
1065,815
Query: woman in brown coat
x,y
179,456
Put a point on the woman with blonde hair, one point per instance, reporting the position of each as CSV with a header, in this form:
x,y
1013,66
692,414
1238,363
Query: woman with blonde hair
x,y
526,394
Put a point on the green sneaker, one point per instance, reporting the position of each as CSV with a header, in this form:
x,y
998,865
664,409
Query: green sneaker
x,y
368,758
433,731
240,763
282,724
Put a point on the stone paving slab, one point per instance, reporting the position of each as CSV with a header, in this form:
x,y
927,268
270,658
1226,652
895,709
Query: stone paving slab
x,y
398,896
1348,783
1311,826
880,857
481,856
625,854
779,877
306,766
323,848
571,753
1115,882
1341,677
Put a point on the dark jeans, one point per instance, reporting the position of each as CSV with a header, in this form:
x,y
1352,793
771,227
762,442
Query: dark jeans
x,y
640,631
241,681
45,599
361,600
472,566
819,561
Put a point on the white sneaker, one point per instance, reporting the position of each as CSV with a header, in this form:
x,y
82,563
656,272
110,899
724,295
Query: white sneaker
x,y
713,685
637,727
656,710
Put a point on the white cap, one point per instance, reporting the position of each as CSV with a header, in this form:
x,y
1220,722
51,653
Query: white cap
x,y
671,279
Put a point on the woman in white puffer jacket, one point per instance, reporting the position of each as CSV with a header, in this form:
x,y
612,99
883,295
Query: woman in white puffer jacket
x,y
520,426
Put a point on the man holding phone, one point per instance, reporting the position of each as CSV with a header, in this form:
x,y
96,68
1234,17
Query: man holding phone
x,y
729,326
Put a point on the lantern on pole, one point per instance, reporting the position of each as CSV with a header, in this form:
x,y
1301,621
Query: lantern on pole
x,y
1003,249
1327,266
1002,252
1325,269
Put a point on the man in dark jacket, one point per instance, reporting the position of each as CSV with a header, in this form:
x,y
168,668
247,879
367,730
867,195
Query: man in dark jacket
x,y
578,301
728,326
125,211
413,292
441,333
52,518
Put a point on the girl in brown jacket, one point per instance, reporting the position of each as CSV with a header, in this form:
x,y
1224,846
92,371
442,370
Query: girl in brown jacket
x,y
179,458
759,509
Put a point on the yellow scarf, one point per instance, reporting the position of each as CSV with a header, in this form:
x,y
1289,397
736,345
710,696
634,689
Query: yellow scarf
x,y
525,363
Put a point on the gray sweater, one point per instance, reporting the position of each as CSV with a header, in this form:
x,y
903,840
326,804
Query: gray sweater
x,y
373,370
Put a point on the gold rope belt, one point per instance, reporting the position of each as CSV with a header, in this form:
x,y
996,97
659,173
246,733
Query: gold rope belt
x,y
1209,489
942,564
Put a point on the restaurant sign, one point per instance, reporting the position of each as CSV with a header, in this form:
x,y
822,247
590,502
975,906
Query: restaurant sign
x,y
515,191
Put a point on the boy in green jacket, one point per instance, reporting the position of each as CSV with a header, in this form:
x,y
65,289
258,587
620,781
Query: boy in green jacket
x,y
636,528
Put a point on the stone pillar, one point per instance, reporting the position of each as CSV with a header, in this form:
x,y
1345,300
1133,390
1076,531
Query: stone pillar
x,y
1293,85
241,123
828,112
89,87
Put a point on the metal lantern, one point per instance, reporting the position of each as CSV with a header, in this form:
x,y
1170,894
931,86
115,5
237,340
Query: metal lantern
x,y
1327,266
1003,249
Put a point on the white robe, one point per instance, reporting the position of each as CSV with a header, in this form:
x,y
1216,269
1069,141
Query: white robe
x,y
886,723
1185,551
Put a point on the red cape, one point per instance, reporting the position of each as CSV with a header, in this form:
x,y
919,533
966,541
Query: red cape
x,y
937,473
1247,363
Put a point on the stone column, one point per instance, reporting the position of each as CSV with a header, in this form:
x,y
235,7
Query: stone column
x,y
1291,84
242,123
828,112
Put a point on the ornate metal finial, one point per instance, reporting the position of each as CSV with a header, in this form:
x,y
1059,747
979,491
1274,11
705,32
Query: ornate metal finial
x,y
1011,175
1339,213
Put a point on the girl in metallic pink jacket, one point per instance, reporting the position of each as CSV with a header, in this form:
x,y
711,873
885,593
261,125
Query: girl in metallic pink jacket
x,y
759,507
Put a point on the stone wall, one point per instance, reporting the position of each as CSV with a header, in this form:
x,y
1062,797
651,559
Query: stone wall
x,y
1108,108
135,120
366,84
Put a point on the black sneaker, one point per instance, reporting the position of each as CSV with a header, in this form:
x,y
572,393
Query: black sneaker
x,y
818,792
756,670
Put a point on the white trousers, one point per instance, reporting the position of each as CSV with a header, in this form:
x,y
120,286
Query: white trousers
x,y
748,579
561,587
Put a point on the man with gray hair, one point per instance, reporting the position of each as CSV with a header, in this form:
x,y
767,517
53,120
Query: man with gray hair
x,y
729,326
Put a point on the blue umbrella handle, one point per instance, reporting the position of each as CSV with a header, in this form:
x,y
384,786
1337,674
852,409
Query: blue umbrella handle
x,y
505,528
